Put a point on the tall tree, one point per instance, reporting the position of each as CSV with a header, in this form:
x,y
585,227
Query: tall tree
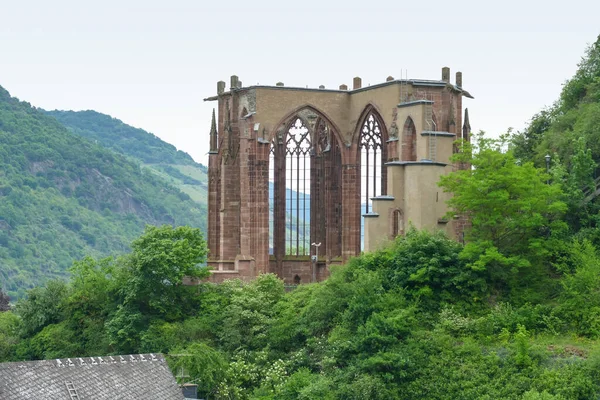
x,y
512,206
150,283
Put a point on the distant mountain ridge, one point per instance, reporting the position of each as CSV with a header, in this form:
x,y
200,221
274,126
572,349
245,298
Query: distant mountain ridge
x,y
122,138
175,166
63,196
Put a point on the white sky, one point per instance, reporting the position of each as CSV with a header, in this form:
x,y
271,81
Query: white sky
x,y
150,63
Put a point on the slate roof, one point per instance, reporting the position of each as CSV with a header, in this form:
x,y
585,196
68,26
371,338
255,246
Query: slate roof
x,y
140,376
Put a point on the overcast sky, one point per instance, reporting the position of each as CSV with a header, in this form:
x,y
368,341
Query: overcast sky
x,y
150,63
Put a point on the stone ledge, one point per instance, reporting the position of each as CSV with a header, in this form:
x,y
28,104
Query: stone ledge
x,y
436,133
413,103
384,198
371,215
408,163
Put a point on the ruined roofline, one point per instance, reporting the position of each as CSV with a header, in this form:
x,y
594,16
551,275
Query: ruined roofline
x,y
413,82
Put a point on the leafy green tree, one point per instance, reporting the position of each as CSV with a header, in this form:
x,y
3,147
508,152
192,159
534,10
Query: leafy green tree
x,y
10,326
251,312
205,366
160,260
429,267
512,207
43,306
580,298
150,282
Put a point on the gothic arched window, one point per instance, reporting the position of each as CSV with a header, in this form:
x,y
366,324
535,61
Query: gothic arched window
x,y
297,189
370,149
271,198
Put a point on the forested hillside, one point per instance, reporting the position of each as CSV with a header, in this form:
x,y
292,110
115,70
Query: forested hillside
x,y
569,132
175,166
63,197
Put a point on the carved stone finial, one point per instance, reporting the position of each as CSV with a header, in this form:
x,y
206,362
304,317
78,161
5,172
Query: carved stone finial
x,y
459,79
466,129
213,133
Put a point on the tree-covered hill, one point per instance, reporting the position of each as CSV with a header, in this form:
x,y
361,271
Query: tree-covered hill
x,y
569,132
63,196
175,166
116,135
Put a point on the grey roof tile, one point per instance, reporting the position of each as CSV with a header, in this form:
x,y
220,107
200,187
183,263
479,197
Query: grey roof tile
x,y
140,376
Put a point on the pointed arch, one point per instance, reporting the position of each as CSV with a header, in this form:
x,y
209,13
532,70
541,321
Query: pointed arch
x,y
372,109
397,223
305,175
371,136
409,140
284,123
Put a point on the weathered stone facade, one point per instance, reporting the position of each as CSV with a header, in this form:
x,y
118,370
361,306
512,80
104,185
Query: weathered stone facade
x,y
314,152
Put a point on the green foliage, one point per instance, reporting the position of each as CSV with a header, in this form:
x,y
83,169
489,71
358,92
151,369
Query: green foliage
x,y
512,208
250,312
206,365
369,331
569,132
10,326
120,137
429,267
150,282
580,299
161,158
64,197
160,260
43,306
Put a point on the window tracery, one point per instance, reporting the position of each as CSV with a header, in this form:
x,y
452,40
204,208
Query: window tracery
x,y
297,202
371,149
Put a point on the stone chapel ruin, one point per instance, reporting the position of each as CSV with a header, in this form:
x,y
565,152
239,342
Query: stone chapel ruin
x,y
300,179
